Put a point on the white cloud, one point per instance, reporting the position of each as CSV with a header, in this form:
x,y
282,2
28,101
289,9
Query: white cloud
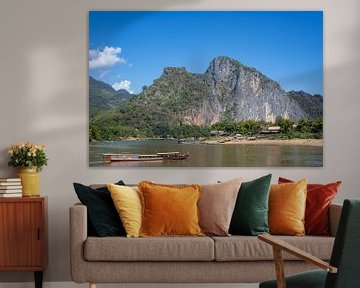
x,y
125,84
105,58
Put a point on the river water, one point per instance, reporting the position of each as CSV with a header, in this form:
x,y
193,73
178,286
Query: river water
x,y
216,155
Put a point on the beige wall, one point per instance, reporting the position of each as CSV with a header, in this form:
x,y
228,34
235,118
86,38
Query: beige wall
x,y
43,90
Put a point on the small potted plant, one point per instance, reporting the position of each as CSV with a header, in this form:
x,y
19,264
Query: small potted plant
x,y
30,158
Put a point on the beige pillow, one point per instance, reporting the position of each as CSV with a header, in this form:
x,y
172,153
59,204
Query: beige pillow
x,y
216,206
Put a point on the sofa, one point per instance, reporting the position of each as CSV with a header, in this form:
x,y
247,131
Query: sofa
x,y
233,259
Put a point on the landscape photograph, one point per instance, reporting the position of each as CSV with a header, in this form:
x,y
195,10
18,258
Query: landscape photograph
x,y
205,88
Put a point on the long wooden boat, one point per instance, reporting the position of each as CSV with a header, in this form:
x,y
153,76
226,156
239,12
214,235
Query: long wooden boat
x,y
109,157
131,157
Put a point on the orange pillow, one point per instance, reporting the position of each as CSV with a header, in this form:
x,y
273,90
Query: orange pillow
x,y
169,210
287,204
318,200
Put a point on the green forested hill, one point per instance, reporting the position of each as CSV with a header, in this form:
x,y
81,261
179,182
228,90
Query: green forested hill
x,y
157,110
311,104
102,96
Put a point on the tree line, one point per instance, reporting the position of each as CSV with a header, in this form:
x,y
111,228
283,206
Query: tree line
x,y
304,128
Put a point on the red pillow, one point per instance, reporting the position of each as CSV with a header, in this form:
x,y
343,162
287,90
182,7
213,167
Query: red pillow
x,y
319,197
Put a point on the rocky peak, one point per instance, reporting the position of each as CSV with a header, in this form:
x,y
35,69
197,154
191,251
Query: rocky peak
x,y
174,70
221,68
242,92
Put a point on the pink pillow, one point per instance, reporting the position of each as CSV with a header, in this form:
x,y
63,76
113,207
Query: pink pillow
x,y
216,206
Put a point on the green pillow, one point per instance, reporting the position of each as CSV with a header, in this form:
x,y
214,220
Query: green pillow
x,y
250,216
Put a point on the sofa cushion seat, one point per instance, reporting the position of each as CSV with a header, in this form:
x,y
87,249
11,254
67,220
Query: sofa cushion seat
x,y
249,248
149,249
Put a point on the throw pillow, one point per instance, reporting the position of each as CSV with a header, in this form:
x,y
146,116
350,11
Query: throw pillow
x,y
216,206
169,210
102,215
287,208
318,200
250,215
127,201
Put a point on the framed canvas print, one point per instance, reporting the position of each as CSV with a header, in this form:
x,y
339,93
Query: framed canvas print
x,y
205,88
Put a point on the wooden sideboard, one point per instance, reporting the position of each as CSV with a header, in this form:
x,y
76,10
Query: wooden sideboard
x,y
23,235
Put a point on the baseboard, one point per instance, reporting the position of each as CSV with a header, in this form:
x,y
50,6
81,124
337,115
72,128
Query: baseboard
x,y
74,285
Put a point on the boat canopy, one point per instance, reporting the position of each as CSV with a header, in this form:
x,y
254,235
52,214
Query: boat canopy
x,y
167,153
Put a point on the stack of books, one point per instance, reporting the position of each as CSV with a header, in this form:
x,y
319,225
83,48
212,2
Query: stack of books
x,y
10,187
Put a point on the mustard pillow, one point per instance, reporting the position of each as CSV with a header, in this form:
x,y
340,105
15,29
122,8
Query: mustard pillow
x,y
127,201
287,204
169,210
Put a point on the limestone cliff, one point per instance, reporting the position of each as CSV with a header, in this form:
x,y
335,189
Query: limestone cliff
x,y
241,93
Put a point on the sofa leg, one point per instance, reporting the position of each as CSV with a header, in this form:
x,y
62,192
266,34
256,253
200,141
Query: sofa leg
x,y
92,285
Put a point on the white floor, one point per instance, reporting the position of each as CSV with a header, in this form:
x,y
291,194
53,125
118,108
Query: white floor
x,y
74,285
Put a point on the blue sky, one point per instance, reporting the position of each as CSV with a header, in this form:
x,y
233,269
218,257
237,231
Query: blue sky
x,y
129,49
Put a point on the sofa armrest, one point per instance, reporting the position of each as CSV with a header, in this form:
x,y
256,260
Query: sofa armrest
x,y
334,217
78,235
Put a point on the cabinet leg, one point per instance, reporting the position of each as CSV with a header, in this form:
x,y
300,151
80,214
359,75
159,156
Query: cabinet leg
x,y
38,279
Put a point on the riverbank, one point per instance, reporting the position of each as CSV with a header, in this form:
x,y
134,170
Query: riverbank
x,y
233,140
265,141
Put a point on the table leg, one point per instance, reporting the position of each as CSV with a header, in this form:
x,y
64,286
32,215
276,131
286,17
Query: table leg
x,y
38,279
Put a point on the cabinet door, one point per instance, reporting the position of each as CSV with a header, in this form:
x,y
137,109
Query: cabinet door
x,y
21,234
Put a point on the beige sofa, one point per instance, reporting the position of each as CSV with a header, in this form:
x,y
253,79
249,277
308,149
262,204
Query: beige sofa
x,y
234,259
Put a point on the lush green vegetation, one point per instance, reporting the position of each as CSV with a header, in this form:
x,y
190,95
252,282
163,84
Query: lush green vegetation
x,y
302,129
111,130
160,130
305,129
246,128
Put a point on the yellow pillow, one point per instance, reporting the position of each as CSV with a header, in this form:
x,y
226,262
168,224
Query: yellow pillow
x,y
169,210
287,204
127,201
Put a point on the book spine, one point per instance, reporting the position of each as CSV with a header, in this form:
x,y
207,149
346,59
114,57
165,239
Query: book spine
x,y
10,183
10,180
10,191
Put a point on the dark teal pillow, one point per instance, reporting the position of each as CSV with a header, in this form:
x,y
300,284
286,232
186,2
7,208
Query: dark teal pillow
x,y
250,216
103,219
